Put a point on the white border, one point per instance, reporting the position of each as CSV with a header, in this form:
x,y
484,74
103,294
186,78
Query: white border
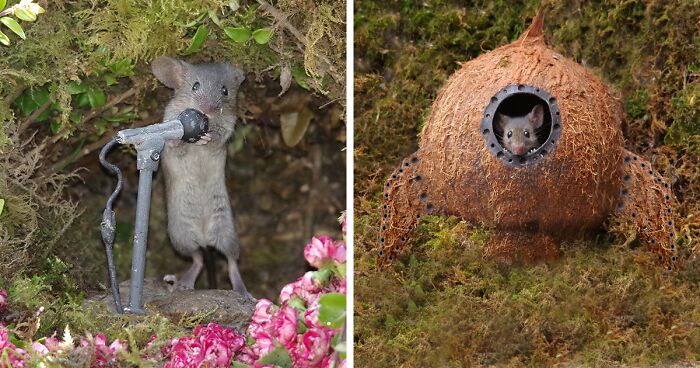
x,y
349,177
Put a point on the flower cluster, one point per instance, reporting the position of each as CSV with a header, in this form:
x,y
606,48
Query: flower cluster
x,y
49,349
104,355
300,332
10,355
209,346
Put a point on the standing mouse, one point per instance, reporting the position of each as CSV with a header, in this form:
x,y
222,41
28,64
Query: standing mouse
x,y
520,132
199,211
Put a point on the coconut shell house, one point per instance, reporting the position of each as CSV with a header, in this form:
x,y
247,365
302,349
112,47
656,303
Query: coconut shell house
x,y
563,189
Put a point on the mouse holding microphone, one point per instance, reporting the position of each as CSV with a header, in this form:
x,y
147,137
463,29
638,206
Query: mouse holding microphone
x,y
198,206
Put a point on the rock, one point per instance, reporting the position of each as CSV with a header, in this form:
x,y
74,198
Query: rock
x,y
224,307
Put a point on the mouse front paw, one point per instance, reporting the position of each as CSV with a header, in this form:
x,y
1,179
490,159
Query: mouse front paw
x,y
206,138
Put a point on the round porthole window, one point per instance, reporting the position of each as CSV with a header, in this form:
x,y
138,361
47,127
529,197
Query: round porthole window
x,y
521,125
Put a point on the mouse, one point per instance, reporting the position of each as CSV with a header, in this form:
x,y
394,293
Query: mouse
x,y
199,212
520,132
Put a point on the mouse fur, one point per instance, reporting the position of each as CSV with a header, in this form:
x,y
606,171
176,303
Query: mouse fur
x,y
198,206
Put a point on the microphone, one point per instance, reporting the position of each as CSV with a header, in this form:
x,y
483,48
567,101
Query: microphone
x,y
189,126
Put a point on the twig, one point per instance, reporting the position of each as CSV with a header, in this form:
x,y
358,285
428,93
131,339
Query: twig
x,y
98,111
9,10
32,118
282,18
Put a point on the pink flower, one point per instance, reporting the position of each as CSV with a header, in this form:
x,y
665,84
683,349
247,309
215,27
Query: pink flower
x,y
262,312
3,300
211,346
339,286
263,345
339,254
285,326
15,355
286,292
105,356
319,250
50,345
314,347
311,316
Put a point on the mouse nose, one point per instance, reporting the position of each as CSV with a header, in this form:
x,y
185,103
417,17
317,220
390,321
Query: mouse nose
x,y
519,150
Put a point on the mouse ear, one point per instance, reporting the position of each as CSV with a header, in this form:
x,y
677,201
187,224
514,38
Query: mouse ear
x,y
498,121
536,116
169,71
237,76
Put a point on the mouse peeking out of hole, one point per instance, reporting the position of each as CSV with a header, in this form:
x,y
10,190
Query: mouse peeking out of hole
x,y
519,133
199,210
529,143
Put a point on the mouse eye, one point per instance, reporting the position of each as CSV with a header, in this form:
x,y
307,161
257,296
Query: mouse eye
x,y
527,134
195,86
510,133
224,91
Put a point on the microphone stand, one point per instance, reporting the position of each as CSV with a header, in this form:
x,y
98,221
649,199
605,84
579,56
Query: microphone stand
x,y
149,143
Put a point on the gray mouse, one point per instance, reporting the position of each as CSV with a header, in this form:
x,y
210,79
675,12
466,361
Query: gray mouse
x,y
199,211
520,132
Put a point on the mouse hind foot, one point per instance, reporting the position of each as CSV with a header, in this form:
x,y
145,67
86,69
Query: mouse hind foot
x,y
236,280
186,282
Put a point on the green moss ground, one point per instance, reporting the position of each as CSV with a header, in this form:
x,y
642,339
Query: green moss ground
x,y
604,303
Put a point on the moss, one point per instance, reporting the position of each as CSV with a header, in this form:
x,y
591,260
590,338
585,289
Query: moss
x,y
598,302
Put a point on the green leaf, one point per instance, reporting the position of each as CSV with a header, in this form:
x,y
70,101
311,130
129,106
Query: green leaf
x,y
239,35
197,20
122,67
121,117
214,18
262,35
101,127
236,364
82,101
278,357
294,126
44,116
75,116
96,96
199,37
40,95
75,88
296,303
2,4
4,39
331,310
300,77
2,202
25,15
323,276
55,126
111,80
14,26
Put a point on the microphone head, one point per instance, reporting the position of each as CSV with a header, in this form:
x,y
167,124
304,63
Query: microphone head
x,y
194,124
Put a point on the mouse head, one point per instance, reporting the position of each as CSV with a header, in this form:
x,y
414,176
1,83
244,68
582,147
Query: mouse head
x,y
519,133
209,88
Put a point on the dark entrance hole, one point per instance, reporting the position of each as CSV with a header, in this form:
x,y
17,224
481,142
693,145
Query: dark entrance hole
x,y
517,100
